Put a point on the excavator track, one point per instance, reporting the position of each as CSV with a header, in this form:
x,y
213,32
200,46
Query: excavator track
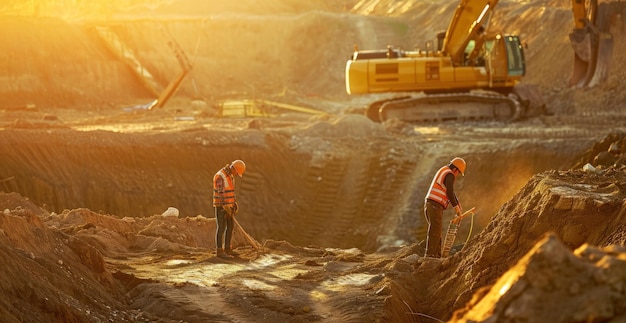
x,y
442,107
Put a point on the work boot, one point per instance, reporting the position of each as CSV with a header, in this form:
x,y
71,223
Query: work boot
x,y
220,253
231,252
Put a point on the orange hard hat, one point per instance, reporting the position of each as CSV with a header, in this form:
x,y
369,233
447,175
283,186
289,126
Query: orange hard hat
x,y
239,166
460,164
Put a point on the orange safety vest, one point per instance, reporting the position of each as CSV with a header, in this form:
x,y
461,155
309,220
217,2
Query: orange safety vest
x,y
438,191
223,188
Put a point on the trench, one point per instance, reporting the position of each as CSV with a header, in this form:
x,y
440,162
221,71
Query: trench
x,y
367,196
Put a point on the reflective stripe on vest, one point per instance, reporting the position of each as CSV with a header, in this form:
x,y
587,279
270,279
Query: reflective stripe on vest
x,y
438,191
223,188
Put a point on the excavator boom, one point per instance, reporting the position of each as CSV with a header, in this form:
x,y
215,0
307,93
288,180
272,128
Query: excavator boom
x,y
469,22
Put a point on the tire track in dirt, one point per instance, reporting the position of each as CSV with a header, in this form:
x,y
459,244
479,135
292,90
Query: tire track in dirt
x,y
324,180
351,217
389,191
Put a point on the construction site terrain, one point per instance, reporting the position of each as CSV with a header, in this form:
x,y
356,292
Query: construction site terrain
x,y
111,115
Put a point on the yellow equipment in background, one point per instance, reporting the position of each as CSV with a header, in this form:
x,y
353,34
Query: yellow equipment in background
x,y
471,74
258,108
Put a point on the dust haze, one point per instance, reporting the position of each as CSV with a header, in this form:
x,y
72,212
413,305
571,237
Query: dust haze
x,y
334,200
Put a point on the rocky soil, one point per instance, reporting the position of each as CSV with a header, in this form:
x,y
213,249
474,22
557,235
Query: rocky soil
x,y
332,203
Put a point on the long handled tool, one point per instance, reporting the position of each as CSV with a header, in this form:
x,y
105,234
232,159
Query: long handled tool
x,y
452,230
250,240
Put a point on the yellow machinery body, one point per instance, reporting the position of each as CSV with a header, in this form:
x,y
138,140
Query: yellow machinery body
x,y
431,72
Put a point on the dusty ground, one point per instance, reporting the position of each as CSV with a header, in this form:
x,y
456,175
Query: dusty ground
x,y
334,200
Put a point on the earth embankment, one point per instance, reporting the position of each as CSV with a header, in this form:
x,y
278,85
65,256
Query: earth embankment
x,y
335,199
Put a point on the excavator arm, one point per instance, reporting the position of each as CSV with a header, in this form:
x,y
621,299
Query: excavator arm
x,y
469,23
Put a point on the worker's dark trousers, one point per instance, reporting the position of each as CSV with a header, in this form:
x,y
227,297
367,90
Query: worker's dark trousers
x,y
434,217
224,224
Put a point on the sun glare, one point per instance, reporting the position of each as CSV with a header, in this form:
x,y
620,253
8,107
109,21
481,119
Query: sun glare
x,y
75,9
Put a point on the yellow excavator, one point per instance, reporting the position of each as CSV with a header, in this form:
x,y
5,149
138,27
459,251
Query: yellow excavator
x,y
473,73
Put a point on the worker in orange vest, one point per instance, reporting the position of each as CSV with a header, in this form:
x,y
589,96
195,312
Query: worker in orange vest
x,y
225,205
440,195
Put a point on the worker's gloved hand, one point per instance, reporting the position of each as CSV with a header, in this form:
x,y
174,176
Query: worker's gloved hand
x,y
457,210
235,208
228,208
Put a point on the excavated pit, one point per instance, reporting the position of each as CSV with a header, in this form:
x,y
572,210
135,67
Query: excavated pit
x,y
335,200
304,186
560,227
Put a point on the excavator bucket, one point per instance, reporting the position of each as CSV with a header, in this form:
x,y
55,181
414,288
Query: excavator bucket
x,y
608,18
593,45
581,43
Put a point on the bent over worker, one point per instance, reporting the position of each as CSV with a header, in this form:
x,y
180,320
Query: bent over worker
x,y
440,195
225,205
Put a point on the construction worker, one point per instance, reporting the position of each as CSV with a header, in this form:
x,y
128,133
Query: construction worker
x,y
226,206
440,195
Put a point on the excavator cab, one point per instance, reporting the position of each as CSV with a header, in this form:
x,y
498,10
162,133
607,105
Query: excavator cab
x,y
514,64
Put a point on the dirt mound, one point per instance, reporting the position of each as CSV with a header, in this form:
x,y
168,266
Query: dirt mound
x,y
55,267
583,285
50,276
607,153
114,236
335,200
